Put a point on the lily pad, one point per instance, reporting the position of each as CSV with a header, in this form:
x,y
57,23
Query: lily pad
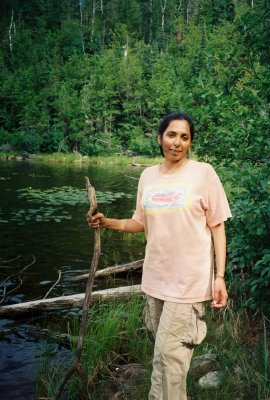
x,y
41,214
67,195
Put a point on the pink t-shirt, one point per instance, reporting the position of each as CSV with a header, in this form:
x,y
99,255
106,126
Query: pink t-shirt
x,y
177,211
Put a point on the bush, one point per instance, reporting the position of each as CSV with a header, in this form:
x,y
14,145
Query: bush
x,y
29,141
249,232
100,144
5,138
142,145
54,141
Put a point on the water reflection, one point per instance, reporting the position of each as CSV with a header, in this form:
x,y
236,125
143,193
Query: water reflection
x,y
64,245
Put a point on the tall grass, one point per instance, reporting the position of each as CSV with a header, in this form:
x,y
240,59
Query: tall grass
x,y
116,337
240,342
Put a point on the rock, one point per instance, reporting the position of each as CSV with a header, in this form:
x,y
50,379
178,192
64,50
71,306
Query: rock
x,y
239,371
219,331
131,374
211,380
204,362
118,396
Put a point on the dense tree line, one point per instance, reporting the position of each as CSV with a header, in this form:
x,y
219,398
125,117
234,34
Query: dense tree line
x,y
96,76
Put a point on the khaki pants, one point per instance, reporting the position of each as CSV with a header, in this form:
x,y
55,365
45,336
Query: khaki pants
x,y
177,328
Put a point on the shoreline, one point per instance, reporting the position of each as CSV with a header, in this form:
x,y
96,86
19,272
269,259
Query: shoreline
x,y
67,158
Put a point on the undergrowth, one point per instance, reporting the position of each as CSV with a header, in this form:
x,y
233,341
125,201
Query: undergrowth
x,y
67,158
118,352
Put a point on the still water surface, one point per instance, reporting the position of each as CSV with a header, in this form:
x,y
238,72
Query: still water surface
x,y
42,223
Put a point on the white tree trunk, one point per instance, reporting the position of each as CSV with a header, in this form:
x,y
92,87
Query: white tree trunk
x,y
11,31
192,9
118,269
67,302
93,21
151,22
82,39
163,9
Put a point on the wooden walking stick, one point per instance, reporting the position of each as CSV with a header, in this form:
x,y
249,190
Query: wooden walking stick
x,y
76,367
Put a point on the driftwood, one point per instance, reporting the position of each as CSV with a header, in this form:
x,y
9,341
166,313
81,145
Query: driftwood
x,y
117,269
67,302
76,367
16,275
139,165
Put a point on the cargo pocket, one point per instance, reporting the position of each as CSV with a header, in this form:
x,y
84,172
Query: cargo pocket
x,y
200,328
151,313
146,318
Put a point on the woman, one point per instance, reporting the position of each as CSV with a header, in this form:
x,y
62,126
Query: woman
x,y
181,207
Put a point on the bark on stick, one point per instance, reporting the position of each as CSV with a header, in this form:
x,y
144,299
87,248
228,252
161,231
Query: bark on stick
x,y
76,367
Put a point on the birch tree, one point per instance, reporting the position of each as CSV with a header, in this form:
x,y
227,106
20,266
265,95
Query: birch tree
x,y
81,18
11,31
93,20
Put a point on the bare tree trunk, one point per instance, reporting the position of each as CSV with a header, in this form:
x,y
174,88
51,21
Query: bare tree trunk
x,y
151,22
179,6
103,24
163,9
188,10
11,31
192,9
118,269
93,20
82,39
67,302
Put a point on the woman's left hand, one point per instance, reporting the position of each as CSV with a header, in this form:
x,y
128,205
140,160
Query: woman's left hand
x,y
220,294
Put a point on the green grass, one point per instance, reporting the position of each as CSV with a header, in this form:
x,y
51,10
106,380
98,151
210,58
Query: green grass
x,y
239,339
67,158
116,338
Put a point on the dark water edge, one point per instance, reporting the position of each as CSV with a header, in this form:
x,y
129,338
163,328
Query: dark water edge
x,y
22,355
51,246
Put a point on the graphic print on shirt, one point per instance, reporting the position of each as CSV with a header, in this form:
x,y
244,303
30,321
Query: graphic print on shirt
x,y
163,198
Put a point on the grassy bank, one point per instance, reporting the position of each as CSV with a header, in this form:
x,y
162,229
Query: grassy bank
x,y
78,158
118,353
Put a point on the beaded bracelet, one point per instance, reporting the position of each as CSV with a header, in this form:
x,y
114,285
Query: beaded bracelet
x,y
125,224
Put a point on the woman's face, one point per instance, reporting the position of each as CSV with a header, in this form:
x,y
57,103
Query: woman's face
x,y
176,140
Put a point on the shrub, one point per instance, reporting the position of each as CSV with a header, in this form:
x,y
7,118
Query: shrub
x,y
29,141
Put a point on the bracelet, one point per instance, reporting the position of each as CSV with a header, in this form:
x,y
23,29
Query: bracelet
x,y
220,276
125,224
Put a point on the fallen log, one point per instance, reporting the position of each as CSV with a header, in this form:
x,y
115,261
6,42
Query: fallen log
x,y
139,165
67,302
117,269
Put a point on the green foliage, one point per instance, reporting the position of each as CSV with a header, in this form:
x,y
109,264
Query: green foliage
x,y
5,137
29,141
143,145
237,341
54,141
249,232
96,77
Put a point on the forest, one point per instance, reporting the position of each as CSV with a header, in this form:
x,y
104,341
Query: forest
x,y
95,77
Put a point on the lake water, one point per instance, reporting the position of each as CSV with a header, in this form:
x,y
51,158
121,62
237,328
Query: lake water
x,y
43,230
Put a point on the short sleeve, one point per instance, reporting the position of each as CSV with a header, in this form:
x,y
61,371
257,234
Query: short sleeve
x,y
138,215
218,209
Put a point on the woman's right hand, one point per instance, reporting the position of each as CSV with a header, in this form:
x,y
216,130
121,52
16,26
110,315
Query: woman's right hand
x,y
96,221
